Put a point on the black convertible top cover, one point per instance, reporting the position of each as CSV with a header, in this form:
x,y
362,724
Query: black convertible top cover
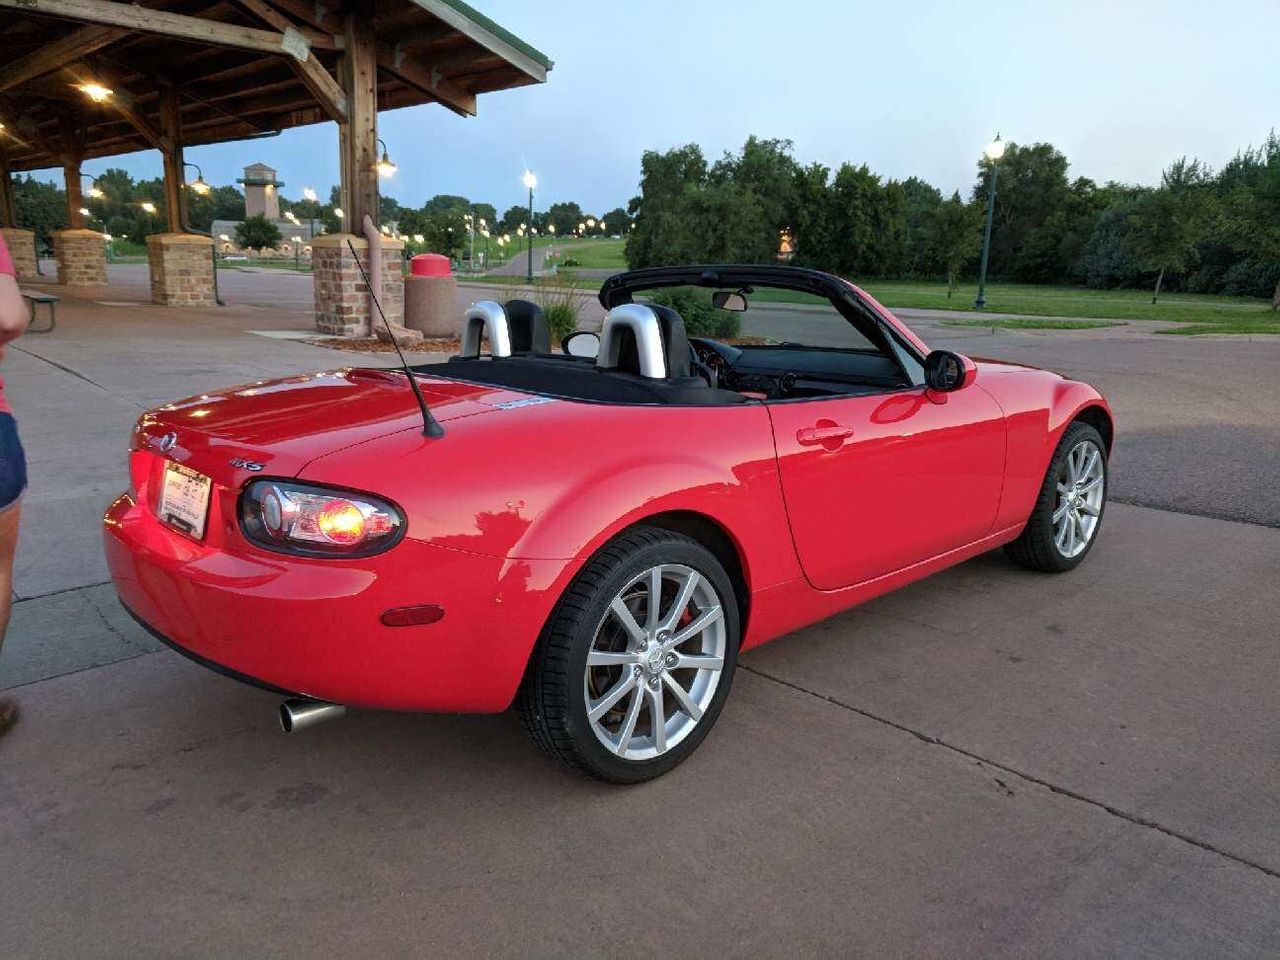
x,y
578,379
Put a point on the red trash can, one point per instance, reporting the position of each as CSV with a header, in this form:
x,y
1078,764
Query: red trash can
x,y
431,297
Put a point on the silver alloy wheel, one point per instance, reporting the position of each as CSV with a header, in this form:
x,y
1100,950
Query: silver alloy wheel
x,y
1079,503
655,661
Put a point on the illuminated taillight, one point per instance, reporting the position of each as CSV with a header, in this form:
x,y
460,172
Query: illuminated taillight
x,y
300,518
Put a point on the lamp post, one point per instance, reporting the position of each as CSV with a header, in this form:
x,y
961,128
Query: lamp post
x,y
297,251
530,181
993,152
309,195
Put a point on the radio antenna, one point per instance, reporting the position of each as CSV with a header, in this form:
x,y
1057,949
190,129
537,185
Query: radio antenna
x,y
430,425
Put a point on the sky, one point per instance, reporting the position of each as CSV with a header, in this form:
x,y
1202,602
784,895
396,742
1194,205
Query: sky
x,y
910,88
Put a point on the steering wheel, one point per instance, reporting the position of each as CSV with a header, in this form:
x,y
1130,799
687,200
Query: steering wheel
x,y
705,371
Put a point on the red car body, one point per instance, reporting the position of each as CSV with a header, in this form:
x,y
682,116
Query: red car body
x,y
504,510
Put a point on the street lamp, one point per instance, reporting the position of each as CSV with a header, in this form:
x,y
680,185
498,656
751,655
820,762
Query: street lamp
x,y
309,195
993,152
94,192
530,181
148,207
297,251
386,166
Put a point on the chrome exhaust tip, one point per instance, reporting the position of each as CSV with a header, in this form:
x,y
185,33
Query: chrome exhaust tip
x,y
299,714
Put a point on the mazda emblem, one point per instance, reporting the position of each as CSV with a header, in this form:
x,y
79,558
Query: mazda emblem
x,y
167,442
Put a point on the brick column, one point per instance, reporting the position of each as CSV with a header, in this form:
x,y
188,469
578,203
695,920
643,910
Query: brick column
x,y
22,248
342,299
81,256
181,269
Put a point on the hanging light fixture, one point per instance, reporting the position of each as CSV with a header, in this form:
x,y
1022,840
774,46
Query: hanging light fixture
x,y
386,166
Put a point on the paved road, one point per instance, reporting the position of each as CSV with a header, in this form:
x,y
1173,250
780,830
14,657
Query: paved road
x,y
989,763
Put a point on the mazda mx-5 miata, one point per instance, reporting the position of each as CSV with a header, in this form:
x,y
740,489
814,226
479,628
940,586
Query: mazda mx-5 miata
x,y
593,533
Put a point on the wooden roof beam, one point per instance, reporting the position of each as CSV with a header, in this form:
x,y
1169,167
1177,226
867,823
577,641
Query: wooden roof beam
x,y
59,53
143,20
429,80
272,17
121,100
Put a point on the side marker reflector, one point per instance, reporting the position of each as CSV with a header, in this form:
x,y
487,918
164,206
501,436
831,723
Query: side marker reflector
x,y
413,616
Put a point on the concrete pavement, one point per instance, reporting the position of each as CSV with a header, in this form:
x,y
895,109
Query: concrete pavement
x,y
988,763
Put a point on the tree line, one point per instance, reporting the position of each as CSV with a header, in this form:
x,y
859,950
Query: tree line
x,y
1197,231
444,221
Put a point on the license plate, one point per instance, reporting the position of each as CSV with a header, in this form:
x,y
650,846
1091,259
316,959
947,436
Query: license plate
x,y
184,499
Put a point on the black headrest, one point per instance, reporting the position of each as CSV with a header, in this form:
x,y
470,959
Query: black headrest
x,y
675,340
528,324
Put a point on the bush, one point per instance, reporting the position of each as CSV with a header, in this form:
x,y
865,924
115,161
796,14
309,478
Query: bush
x,y
1251,278
701,319
561,304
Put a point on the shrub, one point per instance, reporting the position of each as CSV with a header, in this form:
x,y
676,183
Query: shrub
x,y
561,304
701,319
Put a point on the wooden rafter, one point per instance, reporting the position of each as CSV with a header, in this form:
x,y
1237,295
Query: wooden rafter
x,y
272,17
428,80
59,53
164,23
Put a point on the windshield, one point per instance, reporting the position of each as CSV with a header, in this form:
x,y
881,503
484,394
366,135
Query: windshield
x,y
773,316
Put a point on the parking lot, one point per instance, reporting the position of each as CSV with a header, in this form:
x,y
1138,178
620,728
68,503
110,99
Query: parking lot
x,y
990,762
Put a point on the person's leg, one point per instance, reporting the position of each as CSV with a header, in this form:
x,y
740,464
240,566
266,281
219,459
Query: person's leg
x,y
8,546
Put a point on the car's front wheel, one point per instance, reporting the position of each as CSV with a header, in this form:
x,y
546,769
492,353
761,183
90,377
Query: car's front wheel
x,y
635,663
1068,513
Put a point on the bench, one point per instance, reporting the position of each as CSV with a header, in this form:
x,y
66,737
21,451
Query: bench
x,y
35,298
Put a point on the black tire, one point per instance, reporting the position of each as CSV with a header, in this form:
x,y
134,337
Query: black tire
x,y
1035,547
552,700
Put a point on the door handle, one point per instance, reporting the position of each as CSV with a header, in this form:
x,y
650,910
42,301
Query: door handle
x,y
826,434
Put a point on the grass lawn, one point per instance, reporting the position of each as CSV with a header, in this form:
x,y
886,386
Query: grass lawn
x,y
1195,313
1222,314
597,254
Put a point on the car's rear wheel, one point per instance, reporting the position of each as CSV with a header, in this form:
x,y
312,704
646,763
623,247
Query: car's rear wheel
x,y
1068,512
635,663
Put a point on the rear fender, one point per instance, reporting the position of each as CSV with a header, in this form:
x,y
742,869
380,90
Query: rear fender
x,y
745,501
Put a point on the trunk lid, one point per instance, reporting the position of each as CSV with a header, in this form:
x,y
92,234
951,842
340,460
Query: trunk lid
x,y
277,427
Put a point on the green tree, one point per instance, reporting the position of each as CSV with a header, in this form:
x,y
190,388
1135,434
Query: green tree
x,y
810,218
1031,186
1252,215
953,237
664,178
1169,220
565,217
40,207
618,221
257,233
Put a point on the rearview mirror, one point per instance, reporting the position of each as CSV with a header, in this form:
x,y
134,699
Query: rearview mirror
x,y
584,343
727,300
945,371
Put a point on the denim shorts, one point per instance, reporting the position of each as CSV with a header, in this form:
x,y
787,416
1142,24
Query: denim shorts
x,y
13,463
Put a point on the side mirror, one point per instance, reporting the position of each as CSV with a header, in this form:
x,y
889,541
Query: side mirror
x,y
946,372
584,343
727,300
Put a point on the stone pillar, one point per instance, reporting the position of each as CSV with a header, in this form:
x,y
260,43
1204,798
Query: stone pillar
x,y
81,256
181,269
342,299
22,250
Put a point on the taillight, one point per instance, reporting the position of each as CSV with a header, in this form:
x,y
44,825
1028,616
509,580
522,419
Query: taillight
x,y
318,521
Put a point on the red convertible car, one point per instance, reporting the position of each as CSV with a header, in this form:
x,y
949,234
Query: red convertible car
x,y
593,533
